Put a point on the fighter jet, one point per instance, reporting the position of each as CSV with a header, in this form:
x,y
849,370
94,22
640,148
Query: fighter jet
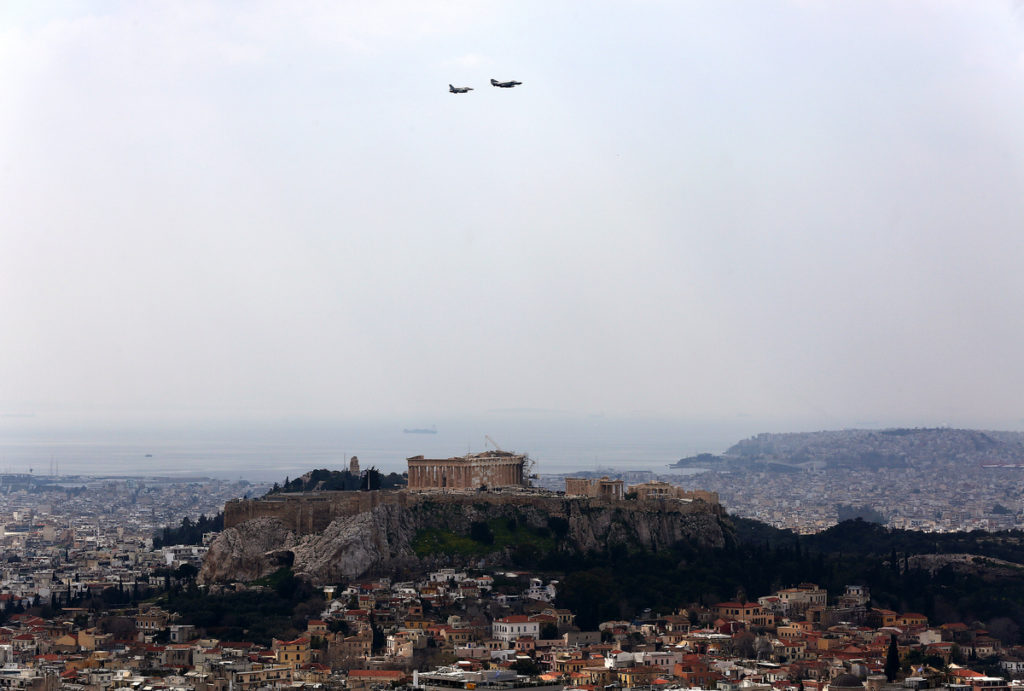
x,y
504,85
459,89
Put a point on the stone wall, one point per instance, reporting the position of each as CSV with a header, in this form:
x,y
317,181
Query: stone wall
x,y
308,513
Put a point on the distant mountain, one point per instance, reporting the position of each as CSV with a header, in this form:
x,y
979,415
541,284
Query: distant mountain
x,y
920,448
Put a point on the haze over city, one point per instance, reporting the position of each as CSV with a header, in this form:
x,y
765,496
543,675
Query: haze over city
x,y
784,215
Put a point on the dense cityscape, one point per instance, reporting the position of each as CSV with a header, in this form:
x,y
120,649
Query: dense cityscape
x,y
97,594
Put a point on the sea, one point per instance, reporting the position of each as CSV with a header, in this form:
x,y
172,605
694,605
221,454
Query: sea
x,y
275,449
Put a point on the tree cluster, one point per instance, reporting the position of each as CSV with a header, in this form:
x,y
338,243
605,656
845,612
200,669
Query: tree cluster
x,y
324,480
189,532
758,559
278,606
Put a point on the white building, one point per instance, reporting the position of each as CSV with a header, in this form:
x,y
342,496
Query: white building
x,y
509,629
539,591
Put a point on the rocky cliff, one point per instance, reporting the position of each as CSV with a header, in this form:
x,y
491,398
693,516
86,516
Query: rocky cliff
x,y
389,536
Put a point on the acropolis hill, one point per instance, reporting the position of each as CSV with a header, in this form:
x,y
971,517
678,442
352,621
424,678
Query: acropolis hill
x,y
337,536
309,512
495,477
313,512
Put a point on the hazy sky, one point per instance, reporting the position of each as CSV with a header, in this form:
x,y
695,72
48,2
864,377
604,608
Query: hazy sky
x,y
784,210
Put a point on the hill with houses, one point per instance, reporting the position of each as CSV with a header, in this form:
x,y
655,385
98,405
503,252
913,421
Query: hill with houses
x,y
920,448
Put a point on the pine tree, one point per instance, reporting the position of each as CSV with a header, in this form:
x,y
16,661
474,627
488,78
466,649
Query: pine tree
x,y
892,660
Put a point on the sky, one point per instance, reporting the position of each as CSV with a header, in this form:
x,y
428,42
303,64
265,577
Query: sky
x,y
796,211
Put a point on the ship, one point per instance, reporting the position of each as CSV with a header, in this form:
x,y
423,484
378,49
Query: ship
x,y
420,430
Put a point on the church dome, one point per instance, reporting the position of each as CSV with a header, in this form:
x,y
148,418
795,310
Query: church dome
x,y
846,681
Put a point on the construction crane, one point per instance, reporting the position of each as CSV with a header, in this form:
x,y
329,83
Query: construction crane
x,y
528,466
528,463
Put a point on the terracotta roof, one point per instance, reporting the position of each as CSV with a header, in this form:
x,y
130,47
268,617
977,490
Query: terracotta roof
x,y
966,673
376,673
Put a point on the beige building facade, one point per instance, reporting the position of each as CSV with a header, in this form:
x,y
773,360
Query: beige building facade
x,y
588,487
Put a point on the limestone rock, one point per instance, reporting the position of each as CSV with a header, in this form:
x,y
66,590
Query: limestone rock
x,y
356,545
248,551
380,540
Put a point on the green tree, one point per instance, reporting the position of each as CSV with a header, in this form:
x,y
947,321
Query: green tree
x,y
892,660
525,666
480,532
559,526
371,479
379,639
186,572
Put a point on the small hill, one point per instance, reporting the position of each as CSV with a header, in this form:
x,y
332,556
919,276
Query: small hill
x,y
918,448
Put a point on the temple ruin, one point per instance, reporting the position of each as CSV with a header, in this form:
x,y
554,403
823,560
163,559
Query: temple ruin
x,y
489,469
587,487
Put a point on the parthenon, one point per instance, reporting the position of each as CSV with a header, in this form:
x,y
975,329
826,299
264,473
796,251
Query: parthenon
x,y
488,469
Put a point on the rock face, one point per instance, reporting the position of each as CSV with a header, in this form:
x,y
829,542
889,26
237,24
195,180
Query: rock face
x,y
371,542
381,539
249,551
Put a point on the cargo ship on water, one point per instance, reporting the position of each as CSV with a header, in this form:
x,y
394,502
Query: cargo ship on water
x,y
420,430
